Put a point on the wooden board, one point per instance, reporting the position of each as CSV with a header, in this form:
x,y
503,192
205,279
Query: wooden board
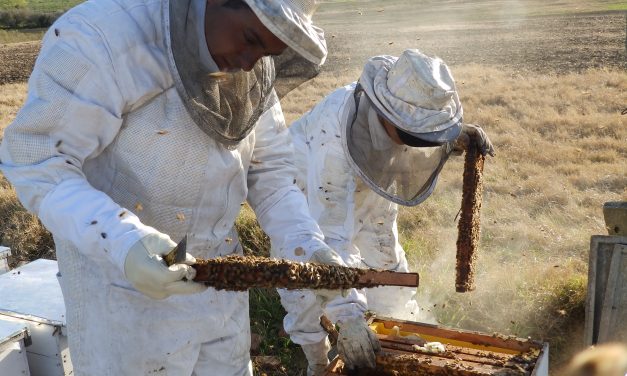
x,y
601,253
615,215
389,278
613,323
484,341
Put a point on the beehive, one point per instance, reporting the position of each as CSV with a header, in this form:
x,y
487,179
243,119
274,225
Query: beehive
x,y
467,353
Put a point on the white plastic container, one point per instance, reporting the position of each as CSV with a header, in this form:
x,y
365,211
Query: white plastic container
x,y
12,349
31,297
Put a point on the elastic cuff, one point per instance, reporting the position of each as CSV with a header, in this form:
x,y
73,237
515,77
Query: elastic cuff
x,y
308,338
346,315
125,241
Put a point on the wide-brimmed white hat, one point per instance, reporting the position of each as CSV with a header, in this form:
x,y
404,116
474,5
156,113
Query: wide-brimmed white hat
x,y
290,21
416,93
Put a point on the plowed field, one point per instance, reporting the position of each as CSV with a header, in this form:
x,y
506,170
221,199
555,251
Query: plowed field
x,y
17,61
546,43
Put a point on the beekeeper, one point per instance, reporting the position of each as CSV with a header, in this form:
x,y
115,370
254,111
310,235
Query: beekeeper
x,y
365,148
132,137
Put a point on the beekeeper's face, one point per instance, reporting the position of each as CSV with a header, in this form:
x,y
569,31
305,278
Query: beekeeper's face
x,y
236,38
390,129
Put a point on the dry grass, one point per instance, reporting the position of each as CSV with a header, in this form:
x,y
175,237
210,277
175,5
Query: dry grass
x,y
307,95
19,230
11,98
15,36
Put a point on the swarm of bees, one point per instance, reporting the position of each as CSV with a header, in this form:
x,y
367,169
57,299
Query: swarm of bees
x,y
468,225
238,273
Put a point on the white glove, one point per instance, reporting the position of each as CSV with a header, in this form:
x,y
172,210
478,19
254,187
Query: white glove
x,y
329,257
148,273
481,138
357,344
317,357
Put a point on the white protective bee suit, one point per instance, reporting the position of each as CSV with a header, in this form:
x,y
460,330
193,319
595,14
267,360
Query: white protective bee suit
x,y
357,222
354,176
105,153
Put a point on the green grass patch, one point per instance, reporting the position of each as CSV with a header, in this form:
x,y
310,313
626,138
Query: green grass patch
x,y
266,323
27,19
32,14
617,6
52,6
266,311
39,5
564,312
15,36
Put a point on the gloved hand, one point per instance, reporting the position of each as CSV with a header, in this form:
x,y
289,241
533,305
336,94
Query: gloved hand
x,y
329,257
481,138
357,344
317,357
148,273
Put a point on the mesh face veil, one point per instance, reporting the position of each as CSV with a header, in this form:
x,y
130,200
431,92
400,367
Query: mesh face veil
x,y
225,106
403,174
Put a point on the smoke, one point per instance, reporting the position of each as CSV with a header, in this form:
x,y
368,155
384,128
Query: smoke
x,y
515,282
517,288
512,12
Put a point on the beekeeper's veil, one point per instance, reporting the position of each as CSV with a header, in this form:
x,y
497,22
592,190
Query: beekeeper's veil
x,y
227,106
417,95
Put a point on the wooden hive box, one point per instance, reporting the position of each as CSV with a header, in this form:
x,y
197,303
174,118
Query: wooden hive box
x,y
467,353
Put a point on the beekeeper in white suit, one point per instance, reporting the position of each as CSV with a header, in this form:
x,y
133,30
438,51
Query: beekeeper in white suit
x,y
131,138
365,148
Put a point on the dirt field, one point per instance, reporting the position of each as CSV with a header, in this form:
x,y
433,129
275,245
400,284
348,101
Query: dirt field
x,y
17,61
515,35
553,43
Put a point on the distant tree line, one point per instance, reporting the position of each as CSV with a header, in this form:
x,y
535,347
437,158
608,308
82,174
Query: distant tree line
x,y
27,19
18,14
